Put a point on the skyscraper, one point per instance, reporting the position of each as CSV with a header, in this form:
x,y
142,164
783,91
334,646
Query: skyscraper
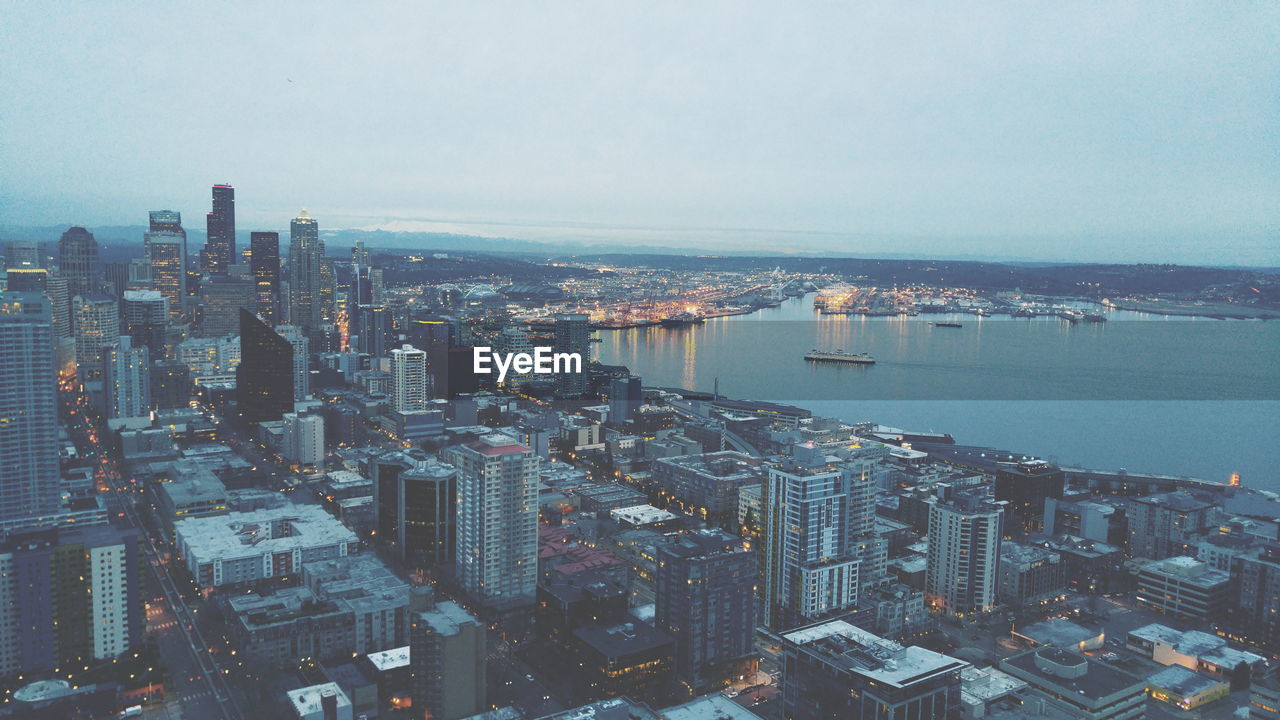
x,y
97,323
625,398
415,503
301,360
126,380
78,261
963,570
146,315
220,249
447,663
573,335
264,377
305,252
328,289
264,260
359,253
29,480
221,298
74,595
56,287
706,600
28,279
497,555
820,546
408,379
372,330
166,250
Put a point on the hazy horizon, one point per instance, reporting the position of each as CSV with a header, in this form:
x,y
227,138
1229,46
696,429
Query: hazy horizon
x,y
1136,133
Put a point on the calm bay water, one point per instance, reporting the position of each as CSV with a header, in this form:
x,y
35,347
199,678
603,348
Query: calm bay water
x,y
1185,396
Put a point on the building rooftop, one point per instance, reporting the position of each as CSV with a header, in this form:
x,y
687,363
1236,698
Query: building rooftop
x,y
447,618
1084,676
1189,570
1058,632
1197,644
615,641
984,685
385,660
1181,682
709,707
244,534
859,651
1179,501
618,708
641,515
309,700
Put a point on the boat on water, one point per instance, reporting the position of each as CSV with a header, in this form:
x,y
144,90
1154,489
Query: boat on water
x,y
680,320
1094,317
839,356
947,324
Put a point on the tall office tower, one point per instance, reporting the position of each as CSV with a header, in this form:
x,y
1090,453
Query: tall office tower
x,y
78,261
328,291
29,479
126,379
168,221
264,377
170,384
264,261
221,299
23,254
836,670
625,398
301,360
115,278
820,549
408,379
68,597
359,292
146,317
373,330
97,323
305,252
446,663
706,600
963,570
166,253
359,254
573,335
220,248
28,280
140,274
56,287
497,556
304,440
415,502
1026,486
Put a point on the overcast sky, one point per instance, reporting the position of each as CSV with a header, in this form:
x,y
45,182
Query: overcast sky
x,y
1104,131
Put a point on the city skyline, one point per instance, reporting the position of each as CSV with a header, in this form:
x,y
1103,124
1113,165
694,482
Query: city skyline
x,y
1136,134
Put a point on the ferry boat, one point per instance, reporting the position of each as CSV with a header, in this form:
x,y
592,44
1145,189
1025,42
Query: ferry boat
x,y
947,324
681,320
839,356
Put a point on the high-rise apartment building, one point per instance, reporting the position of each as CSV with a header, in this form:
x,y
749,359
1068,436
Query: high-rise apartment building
x,y
306,250
707,602
497,555
304,440
962,574
820,548
57,288
625,398
447,663
573,335
146,316
29,479
126,379
220,248
372,325
264,262
408,379
265,376
97,323
301,360
69,597
78,261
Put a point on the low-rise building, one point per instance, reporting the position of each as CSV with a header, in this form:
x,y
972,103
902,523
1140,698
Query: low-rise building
x,y
707,485
1194,650
1079,686
1184,587
1029,575
244,547
326,701
833,669
1185,689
